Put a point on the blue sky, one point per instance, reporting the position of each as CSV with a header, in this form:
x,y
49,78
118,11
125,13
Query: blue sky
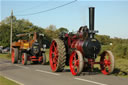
x,y
111,16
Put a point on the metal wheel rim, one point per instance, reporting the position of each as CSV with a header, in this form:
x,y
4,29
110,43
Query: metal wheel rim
x,y
74,63
13,56
53,56
106,66
23,59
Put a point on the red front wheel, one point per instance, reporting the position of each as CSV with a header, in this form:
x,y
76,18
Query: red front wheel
x,y
24,58
107,62
76,62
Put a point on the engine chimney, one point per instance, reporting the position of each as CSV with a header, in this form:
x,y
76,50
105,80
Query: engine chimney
x,y
91,18
91,22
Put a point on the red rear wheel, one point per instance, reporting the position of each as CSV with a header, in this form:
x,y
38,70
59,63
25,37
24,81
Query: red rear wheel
x,y
107,62
76,63
57,56
53,56
14,55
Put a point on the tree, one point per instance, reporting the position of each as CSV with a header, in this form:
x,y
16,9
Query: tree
x,y
62,29
4,35
19,26
7,20
51,27
51,32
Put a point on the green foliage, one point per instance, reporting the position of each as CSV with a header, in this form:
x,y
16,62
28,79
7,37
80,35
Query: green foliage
x,y
121,51
5,56
104,39
51,32
62,29
121,67
118,46
4,35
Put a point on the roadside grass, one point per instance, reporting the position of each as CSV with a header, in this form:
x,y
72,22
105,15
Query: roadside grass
x,y
121,67
4,81
5,56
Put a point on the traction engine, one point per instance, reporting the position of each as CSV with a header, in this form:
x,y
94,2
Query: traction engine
x,y
29,50
80,51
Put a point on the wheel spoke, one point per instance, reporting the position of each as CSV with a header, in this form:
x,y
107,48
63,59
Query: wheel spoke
x,y
107,62
55,60
54,65
77,62
77,68
109,68
74,56
72,66
55,47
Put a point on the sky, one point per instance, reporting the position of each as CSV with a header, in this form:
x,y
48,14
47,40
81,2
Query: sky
x,y
111,16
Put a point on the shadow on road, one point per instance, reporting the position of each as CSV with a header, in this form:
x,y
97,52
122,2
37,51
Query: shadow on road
x,y
37,63
117,72
96,71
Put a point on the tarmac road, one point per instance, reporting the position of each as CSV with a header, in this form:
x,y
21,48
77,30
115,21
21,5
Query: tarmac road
x,y
42,75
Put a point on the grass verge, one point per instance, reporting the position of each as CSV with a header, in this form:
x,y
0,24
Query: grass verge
x,y
4,81
121,67
5,56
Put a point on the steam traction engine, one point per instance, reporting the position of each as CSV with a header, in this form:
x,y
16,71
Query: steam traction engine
x,y
29,50
79,51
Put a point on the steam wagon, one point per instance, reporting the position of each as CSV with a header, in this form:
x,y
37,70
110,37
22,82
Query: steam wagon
x,y
80,51
29,50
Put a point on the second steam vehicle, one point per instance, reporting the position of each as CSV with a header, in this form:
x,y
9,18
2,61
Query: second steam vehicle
x,y
29,50
80,51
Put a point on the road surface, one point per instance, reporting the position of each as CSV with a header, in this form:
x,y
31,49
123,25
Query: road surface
x,y
42,75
